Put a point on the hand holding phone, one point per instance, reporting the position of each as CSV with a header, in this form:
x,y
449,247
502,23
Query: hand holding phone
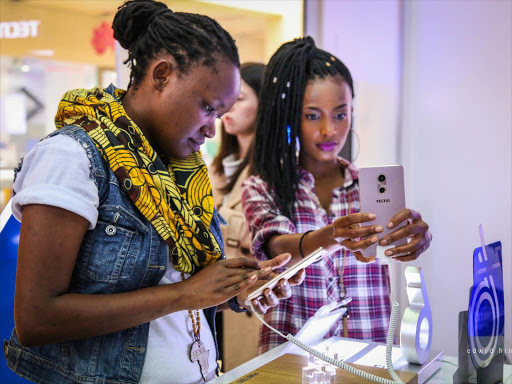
x,y
356,232
382,192
416,230
308,260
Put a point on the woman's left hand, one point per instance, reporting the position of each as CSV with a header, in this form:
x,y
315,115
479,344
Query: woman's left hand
x,y
281,291
417,234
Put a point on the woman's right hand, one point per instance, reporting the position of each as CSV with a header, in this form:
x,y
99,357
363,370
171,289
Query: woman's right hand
x,y
47,312
221,281
351,235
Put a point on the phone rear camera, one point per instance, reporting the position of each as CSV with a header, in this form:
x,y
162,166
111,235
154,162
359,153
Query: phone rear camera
x,y
382,178
382,189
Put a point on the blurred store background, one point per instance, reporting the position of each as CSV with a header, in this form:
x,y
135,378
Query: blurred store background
x,y
433,92
50,46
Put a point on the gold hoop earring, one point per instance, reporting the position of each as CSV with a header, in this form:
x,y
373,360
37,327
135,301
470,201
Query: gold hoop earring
x,y
358,145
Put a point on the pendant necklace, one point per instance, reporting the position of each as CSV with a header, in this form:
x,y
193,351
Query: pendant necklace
x,y
198,351
341,272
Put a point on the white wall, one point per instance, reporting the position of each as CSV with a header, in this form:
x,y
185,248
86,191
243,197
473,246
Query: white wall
x,y
440,104
456,144
290,10
364,35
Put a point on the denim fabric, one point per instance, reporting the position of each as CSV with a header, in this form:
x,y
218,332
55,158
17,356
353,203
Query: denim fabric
x,y
122,253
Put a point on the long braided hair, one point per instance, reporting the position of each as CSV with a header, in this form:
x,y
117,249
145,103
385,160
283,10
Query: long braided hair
x,y
278,133
147,28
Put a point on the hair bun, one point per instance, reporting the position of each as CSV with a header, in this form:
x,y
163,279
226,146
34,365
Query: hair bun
x,y
133,18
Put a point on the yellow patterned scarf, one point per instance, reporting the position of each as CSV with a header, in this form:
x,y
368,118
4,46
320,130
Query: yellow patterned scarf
x,y
176,199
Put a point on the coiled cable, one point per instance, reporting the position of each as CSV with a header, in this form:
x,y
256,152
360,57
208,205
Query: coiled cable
x,y
347,367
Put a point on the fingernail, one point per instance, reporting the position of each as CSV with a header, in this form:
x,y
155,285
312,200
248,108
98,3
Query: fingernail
x,y
374,239
388,253
253,277
372,261
378,229
390,225
268,269
372,216
383,242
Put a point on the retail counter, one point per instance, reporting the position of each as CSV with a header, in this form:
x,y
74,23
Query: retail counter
x,y
440,370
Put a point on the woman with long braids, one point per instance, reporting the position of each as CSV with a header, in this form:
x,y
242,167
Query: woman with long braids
x,y
120,266
301,196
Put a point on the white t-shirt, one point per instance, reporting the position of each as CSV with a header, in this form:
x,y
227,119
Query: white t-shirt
x,y
231,164
56,172
170,339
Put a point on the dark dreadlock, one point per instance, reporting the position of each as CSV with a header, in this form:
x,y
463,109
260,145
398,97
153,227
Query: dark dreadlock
x,y
146,28
280,110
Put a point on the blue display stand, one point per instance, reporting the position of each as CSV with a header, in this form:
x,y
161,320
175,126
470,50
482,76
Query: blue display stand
x,y
9,239
482,327
486,314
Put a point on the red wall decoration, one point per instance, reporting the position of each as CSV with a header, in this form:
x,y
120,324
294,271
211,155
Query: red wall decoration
x,y
103,38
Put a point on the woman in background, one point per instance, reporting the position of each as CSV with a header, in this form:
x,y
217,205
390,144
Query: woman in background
x,y
301,196
229,170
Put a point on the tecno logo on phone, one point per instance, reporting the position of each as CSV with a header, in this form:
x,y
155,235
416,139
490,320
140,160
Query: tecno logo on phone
x,y
383,201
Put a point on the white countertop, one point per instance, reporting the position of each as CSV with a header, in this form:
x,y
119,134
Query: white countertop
x,y
442,376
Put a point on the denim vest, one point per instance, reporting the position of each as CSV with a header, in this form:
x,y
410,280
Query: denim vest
x,y
122,253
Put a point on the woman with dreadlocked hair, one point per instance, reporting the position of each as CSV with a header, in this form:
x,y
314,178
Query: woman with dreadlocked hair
x,y
301,196
121,263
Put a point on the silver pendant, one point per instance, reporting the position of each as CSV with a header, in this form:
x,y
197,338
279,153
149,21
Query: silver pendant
x,y
199,353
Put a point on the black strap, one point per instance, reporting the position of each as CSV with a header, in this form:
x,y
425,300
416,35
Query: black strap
x,y
300,243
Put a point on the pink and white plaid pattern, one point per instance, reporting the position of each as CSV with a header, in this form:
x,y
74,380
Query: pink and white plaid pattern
x,y
367,284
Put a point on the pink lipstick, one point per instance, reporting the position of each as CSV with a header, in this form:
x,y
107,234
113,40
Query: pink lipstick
x,y
327,147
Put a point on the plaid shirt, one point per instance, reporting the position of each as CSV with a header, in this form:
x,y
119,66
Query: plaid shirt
x,y
367,284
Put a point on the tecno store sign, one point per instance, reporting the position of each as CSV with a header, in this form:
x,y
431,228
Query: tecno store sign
x,y
19,29
39,30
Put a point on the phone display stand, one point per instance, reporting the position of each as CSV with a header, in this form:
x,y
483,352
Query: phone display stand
x,y
417,326
481,328
318,325
466,373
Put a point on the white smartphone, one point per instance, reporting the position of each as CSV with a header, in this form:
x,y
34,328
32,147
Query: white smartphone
x,y
306,261
381,191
